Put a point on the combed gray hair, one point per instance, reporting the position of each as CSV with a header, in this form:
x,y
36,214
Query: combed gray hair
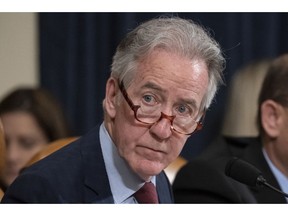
x,y
176,35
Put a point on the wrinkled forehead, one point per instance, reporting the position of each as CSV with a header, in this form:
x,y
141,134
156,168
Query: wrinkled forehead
x,y
170,67
174,74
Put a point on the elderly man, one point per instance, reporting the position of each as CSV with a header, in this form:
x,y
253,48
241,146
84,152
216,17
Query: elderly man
x,y
164,76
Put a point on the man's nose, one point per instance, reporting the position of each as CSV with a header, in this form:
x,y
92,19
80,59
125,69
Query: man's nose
x,y
162,128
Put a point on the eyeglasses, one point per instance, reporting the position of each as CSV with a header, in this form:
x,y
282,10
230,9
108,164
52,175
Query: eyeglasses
x,y
151,114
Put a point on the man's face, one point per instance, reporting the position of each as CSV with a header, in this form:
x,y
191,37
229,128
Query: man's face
x,y
275,123
280,145
171,80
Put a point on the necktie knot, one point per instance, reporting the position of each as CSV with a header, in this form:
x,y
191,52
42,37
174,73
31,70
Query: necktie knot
x,y
147,194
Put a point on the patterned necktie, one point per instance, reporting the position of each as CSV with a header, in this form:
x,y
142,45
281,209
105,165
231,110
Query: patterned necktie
x,y
147,194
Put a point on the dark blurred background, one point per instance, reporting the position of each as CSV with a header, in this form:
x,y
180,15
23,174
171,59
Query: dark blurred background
x,y
76,51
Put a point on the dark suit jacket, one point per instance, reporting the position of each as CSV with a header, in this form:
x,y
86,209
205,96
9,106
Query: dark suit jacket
x,y
203,179
74,174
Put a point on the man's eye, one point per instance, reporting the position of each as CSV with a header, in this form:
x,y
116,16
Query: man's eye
x,y
184,110
149,99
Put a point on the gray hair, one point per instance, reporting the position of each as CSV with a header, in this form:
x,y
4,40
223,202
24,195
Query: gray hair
x,y
176,35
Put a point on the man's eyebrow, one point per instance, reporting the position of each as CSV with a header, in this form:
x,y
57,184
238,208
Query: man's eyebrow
x,y
191,102
152,85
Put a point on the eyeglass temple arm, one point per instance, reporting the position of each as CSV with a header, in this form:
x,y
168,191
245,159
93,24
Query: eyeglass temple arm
x,y
201,120
125,95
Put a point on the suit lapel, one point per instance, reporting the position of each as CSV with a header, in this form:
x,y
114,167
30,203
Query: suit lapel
x,y
162,183
97,188
253,154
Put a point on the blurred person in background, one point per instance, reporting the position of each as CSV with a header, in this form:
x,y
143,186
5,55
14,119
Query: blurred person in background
x,y
240,119
2,159
31,119
203,179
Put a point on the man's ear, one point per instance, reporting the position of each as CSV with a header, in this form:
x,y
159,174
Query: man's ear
x,y
271,118
110,97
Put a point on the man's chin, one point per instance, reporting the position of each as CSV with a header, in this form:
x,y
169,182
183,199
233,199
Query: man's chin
x,y
149,169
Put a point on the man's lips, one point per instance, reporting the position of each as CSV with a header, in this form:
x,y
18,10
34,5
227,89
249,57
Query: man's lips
x,y
150,153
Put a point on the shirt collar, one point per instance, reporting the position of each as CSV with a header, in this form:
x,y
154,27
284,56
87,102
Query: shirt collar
x,y
123,181
281,178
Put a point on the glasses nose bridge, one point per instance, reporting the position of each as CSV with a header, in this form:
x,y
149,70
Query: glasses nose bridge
x,y
164,116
